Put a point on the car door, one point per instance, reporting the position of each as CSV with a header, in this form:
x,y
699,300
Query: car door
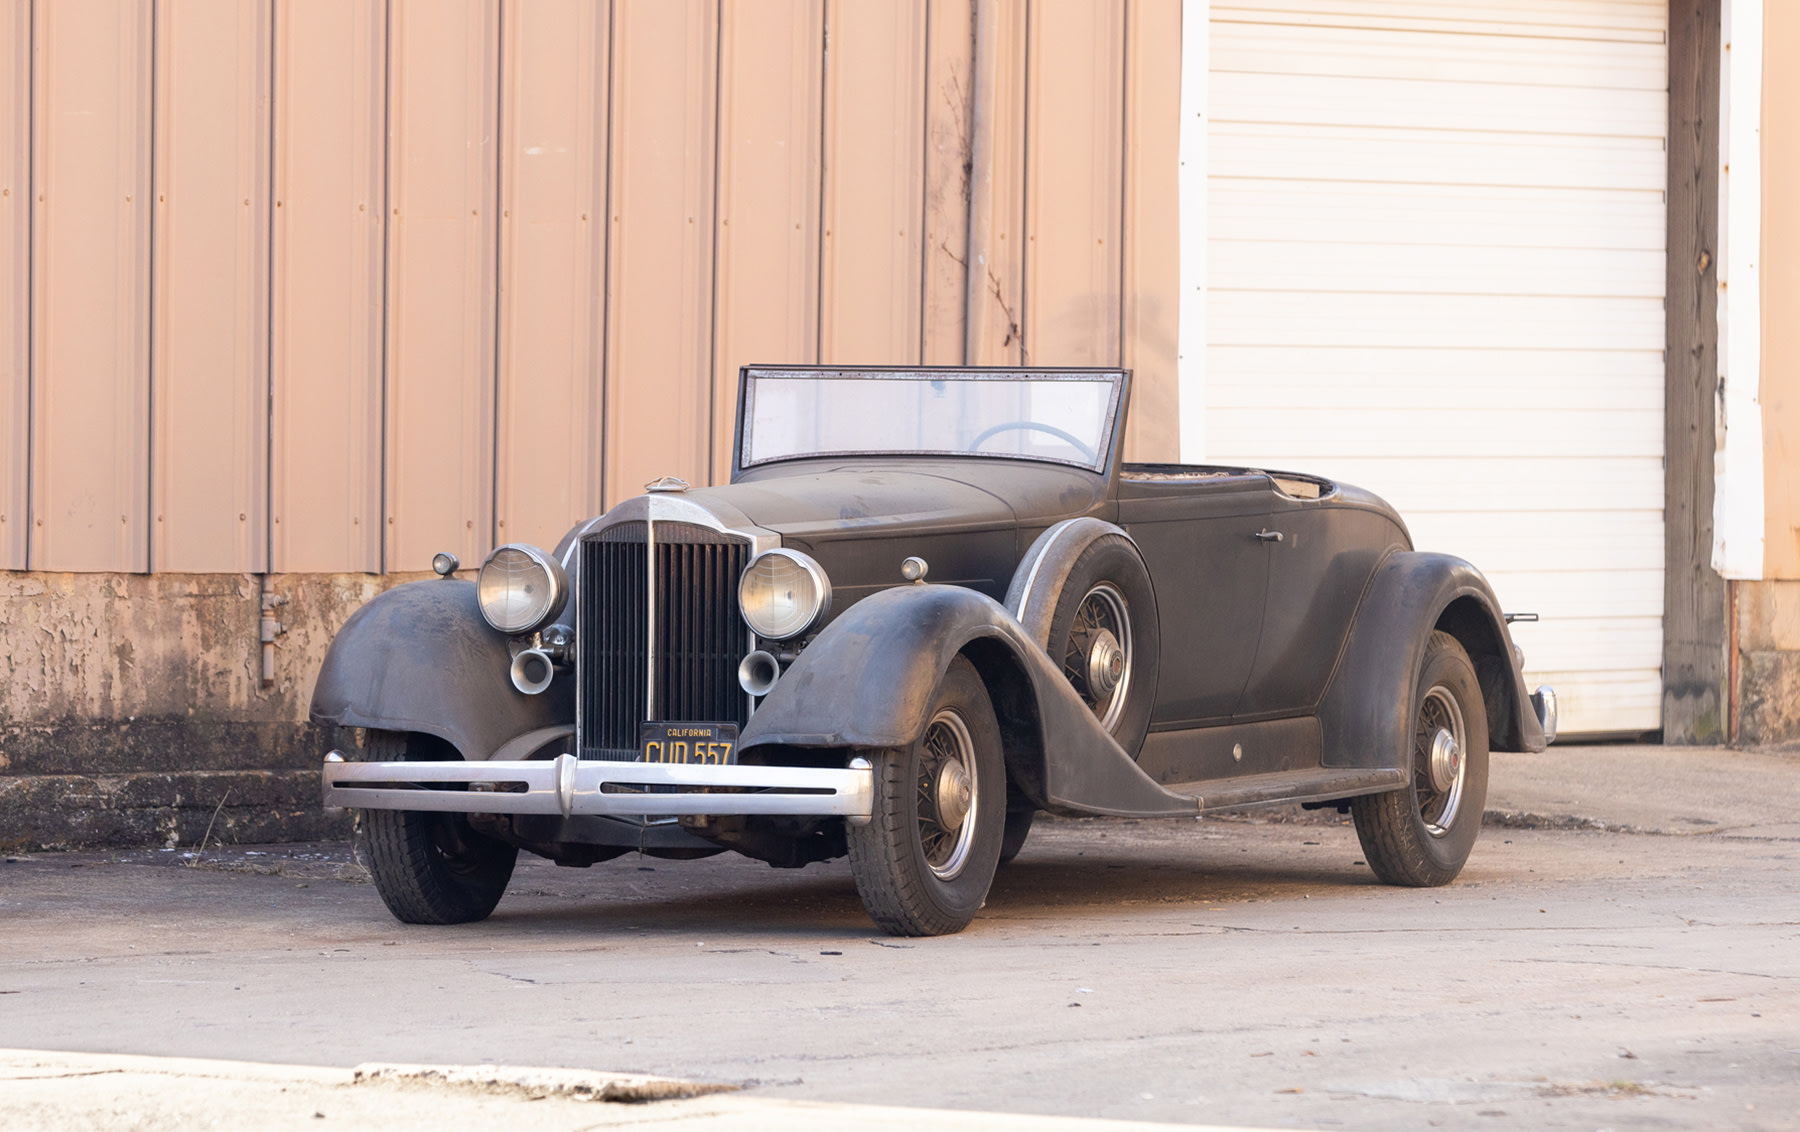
x,y
1198,532
1317,573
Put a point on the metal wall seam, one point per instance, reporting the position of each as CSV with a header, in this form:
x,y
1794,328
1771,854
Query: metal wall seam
x,y
1074,183
443,117
767,289
553,98
1150,238
209,305
944,225
15,280
90,284
872,188
327,263
997,264
661,186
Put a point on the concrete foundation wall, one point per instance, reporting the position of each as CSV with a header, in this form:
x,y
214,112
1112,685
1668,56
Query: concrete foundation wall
x,y
133,709
1768,663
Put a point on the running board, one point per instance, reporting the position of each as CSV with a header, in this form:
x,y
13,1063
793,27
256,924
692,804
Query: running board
x,y
1286,786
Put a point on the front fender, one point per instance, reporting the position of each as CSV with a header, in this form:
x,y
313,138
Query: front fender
x,y
1367,711
421,658
868,678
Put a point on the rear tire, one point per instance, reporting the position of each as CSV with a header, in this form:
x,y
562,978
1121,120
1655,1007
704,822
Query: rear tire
x,y
1421,835
430,868
1018,828
921,866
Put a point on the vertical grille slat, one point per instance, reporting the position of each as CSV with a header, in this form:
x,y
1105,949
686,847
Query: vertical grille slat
x,y
700,635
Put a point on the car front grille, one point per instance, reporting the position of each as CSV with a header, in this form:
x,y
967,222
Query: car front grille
x,y
685,606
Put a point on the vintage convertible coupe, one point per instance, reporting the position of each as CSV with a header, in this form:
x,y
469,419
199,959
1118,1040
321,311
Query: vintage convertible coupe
x,y
930,603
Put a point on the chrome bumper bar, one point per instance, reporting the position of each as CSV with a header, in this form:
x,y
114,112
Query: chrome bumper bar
x,y
568,786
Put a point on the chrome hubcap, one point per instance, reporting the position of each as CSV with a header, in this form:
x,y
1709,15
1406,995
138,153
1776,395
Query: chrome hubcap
x,y
948,793
953,795
1439,765
1446,760
1097,658
1106,664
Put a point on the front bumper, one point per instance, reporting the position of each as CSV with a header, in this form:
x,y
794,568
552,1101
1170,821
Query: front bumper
x,y
569,786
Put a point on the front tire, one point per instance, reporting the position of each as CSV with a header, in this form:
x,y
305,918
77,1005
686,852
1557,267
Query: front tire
x,y
431,868
925,859
1421,835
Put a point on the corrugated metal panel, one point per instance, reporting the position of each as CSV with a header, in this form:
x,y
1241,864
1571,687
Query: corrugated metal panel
x,y
874,151
326,432
15,279
1152,248
90,300
949,55
660,252
209,319
1075,182
442,174
1435,269
767,290
552,263
1002,325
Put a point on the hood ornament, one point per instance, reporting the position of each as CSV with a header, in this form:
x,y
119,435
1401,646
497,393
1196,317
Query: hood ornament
x,y
668,483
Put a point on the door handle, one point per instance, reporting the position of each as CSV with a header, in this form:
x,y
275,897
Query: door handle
x,y
1268,536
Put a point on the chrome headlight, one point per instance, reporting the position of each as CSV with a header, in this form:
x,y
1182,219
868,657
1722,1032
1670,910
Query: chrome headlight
x,y
520,589
783,593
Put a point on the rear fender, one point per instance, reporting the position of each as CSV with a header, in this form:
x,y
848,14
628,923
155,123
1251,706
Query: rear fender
x,y
868,678
421,658
1367,711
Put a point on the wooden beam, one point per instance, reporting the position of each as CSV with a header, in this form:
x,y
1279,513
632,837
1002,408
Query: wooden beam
x,y
1695,646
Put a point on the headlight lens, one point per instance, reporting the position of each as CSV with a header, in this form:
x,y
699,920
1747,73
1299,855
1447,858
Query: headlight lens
x,y
783,593
520,589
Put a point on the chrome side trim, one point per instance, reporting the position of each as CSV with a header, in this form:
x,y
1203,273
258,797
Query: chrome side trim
x,y
568,786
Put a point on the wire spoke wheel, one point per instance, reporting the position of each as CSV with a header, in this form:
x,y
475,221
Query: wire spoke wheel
x,y
947,794
1440,739
1421,834
1097,657
926,856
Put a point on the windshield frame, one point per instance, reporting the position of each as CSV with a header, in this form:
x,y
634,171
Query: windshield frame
x,y
1103,456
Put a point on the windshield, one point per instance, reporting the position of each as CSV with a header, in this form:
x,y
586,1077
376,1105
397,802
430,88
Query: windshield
x,y
1060,416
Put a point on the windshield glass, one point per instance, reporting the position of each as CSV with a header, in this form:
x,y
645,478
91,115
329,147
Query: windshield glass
x,y
1061,416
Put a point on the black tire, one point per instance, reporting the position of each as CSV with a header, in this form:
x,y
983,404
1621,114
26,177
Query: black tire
x,y
430,868
1018,828
916,876
1107,590
1419,836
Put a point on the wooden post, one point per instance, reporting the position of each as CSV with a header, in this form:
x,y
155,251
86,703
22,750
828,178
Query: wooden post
x,y
1695,649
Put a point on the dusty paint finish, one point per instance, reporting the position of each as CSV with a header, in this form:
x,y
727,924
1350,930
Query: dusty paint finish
x,y
90,270
552,263
15,278
325,421
209,291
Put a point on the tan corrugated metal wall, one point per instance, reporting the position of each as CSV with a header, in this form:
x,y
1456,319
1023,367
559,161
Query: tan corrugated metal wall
x,y
332,285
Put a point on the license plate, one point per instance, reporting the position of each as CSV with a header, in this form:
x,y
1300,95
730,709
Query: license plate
x,y
692,744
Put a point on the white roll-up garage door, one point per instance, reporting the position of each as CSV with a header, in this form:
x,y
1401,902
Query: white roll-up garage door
x,y
1435,234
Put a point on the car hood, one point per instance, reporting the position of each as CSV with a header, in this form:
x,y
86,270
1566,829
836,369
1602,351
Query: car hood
x,y
824,502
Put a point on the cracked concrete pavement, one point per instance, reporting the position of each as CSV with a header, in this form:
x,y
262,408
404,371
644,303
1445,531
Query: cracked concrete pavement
x,y
1623,951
